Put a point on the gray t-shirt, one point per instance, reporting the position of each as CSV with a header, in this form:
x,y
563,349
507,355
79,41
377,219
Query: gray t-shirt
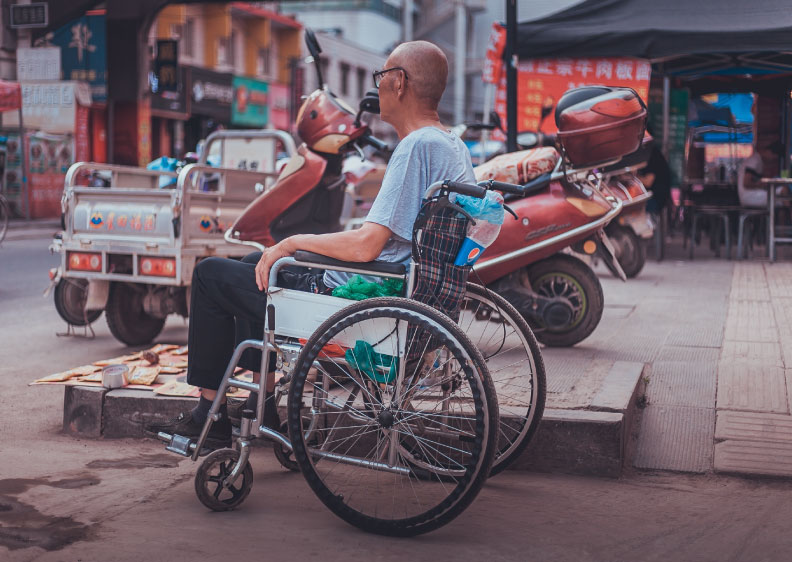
x,y
420,159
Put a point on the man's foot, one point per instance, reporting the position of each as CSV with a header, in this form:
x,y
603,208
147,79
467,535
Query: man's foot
x,y
219,434
271,418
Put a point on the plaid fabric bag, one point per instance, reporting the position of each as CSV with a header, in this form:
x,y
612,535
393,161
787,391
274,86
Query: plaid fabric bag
x,y
437,237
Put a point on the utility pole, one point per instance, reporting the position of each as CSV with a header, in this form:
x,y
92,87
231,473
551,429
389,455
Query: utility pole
x,y
510,59
460,58
407,20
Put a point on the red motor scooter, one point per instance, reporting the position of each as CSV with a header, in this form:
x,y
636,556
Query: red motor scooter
x,y
308,196
633,228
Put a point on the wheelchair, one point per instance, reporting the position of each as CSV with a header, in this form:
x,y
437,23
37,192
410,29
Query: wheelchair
x,y
398,409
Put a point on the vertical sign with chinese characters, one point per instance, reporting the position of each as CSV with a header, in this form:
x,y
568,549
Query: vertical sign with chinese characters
x,y
493,61
84,52
542,82
166,65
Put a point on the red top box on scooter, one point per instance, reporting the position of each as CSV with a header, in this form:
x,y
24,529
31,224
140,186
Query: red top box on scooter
x,y
599,123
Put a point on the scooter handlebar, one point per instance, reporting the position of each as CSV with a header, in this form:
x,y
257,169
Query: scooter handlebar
x,y
375,143
505,187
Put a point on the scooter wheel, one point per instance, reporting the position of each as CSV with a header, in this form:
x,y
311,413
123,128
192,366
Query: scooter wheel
x,y
631,250
569,280
210,478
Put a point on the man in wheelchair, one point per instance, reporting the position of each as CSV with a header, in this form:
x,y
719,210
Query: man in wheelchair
x,y
229,300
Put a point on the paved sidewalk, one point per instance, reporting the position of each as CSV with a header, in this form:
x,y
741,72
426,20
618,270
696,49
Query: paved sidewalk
x,y
717,339
753,431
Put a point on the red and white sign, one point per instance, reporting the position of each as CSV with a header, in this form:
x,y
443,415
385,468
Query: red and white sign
x,y
493,61
542,82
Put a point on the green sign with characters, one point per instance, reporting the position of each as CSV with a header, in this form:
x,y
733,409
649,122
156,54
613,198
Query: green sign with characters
x,y
250,106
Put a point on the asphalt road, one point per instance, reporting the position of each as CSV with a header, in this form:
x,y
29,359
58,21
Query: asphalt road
x,y
65,499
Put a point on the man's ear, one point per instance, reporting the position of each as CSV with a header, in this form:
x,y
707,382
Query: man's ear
x,y
399,86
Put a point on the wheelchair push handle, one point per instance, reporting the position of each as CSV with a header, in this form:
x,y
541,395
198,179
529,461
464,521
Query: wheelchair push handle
x,y
470,189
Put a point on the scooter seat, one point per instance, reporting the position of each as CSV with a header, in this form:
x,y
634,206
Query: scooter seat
x,y
375,266
519,167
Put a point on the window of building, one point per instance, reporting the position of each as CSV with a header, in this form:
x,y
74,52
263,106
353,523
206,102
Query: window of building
x,y
263,64
362,75
188,39
232,47
222,51
344,79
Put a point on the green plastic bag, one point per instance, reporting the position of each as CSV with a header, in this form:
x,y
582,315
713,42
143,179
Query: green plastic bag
x,y
363,358
358,289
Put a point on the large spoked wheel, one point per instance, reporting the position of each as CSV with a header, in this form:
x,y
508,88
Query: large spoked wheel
x,y
5,214
128,321
70,296
211,478
630,249
393,446
515,364
577,293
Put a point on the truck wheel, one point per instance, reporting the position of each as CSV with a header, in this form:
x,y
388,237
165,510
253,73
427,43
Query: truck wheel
x,y
630,249
70,296
127,320
573,284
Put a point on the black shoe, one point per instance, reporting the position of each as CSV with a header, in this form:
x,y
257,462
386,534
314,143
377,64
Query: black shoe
x,y
219,434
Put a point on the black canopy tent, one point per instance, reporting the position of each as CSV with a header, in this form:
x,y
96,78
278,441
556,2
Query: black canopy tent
x,y
747,42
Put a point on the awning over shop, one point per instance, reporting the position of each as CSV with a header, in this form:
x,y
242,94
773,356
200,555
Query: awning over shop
x,y
719,33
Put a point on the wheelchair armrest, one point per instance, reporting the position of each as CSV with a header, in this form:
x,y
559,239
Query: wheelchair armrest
x,y
371,266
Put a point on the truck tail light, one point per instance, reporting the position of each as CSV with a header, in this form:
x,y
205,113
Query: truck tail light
x,y
157,267
85,261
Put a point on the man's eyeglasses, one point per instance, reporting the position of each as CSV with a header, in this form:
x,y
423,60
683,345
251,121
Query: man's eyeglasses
x,y
379,73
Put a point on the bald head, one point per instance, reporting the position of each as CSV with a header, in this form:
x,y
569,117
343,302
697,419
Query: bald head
x,y
427,69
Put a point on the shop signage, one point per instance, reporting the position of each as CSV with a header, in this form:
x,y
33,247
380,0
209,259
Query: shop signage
x,y
83,47
167,101
166,65
250,106
35,14
50,106
40,63
542,82
211,93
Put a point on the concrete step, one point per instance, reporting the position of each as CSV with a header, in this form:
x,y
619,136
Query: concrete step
x,y
588,441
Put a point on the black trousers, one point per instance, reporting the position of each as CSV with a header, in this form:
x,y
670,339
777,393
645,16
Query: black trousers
x,y
226,307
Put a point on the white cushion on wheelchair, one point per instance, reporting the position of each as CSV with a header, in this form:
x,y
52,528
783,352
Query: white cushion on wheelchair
x,y
298,314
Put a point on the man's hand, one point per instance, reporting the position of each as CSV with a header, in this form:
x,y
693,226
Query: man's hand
x,y
269,257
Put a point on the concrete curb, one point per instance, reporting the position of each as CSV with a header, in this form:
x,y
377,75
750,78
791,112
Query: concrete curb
x,y
590,441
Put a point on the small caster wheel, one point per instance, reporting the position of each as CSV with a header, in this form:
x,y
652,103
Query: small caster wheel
x,y
285,455
214,469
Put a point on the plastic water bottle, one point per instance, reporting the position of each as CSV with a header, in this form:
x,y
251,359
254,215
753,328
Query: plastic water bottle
x,y
479,236
488,215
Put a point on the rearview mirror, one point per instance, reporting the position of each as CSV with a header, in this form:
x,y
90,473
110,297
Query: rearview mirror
x,y
312,43
314,49
370,102
495,120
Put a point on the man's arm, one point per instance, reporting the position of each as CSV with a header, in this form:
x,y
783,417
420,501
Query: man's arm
x,y
361,245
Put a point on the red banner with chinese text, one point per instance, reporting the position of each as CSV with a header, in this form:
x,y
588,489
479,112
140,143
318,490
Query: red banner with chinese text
x,y
493,61
542,82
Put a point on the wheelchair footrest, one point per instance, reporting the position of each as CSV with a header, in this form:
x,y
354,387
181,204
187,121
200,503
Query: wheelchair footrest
x,y
177,444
